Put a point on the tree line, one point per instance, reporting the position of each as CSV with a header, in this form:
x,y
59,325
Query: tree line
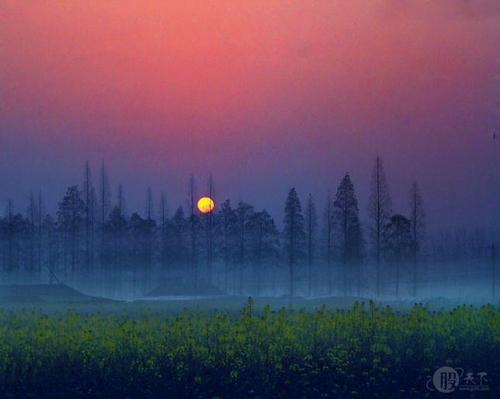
x,y
93,238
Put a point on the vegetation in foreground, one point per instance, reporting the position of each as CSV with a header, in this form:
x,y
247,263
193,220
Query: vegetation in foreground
x,y
367,351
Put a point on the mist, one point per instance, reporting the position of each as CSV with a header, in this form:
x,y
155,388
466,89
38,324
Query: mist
x,y
318,248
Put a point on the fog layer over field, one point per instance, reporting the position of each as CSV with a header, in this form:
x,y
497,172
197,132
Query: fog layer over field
x,y
100,248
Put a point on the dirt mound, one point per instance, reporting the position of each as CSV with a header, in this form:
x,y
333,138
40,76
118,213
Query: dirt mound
x,y
26,293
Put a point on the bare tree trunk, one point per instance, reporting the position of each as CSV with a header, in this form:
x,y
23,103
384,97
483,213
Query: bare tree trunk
x,y
210,232
193,231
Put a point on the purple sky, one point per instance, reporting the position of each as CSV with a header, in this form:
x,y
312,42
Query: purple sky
x,y
265,94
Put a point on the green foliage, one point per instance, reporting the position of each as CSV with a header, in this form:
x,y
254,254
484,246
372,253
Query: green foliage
x,y
367,351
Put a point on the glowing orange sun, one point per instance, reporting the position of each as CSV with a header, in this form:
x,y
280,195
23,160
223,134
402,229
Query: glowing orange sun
x,y
206,204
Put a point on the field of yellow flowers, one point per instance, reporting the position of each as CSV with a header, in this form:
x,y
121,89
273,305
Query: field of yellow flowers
x,y
366,351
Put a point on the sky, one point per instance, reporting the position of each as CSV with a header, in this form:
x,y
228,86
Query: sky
x,y
265,95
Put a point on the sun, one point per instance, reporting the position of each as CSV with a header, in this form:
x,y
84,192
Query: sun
x,y
206,204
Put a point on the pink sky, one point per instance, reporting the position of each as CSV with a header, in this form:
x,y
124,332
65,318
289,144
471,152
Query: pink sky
x,y
265,94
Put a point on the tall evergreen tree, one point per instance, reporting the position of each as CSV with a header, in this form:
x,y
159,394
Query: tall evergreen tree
x,y
263,242
379,212
417,222
89,199
243,213
311,226
348,235
294,234
328,239
226,230
398,243
71,218
264,238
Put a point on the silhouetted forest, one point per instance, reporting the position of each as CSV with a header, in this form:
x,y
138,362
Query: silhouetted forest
x,y
95,243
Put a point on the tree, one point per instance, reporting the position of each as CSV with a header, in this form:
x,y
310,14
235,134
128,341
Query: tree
x,y
379,212
104,195
328,238
14,230
311,226
193,228
209,229
89,199
264,237
417,222
347,225
40,228
121,203
243,213
71,216
225,229
263,242
32,218
178,251
22,234
164,229
149,204
294,234
32,211
142,246
52,260
115,243
163,211
398,243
